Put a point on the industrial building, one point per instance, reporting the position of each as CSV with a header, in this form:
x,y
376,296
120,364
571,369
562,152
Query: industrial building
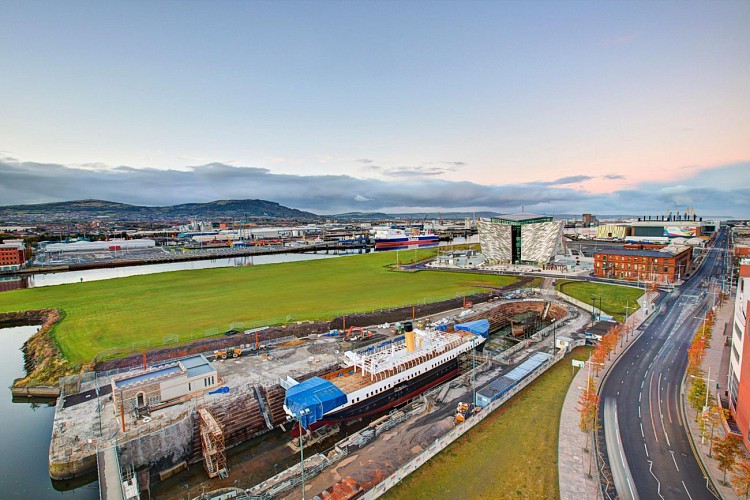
x,y
12,255
172,381
739,359
667,265
98,246
520,239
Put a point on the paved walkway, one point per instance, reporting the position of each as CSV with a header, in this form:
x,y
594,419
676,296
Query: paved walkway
x,y
573,462
717,358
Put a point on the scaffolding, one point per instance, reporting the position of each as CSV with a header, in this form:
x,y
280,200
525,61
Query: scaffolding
x,y
212,442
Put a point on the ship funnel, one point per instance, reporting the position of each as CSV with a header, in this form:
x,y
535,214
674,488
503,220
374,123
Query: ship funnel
x,y
409,336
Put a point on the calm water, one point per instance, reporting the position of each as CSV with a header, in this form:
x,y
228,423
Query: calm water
x,y
25,433
48,279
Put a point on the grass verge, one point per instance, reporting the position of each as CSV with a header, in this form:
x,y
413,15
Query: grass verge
x,y
510,454
614,298
155,309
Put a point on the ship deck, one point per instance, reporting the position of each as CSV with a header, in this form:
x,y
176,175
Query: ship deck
x,y
372,364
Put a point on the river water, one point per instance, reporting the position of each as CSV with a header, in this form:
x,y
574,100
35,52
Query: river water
x,y
25,434
48,279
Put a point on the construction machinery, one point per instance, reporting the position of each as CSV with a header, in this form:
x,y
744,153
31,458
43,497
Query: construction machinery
x,y
356,329
233,352
464,411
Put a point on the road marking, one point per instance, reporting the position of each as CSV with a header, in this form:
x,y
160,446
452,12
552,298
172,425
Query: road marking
x,y
640,394
642,435
658,483
643,382
650,406
639,411
675,461
645,448
669,412
686,490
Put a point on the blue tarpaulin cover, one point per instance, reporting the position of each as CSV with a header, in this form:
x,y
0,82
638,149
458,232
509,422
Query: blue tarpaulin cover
x,y
315,394
479,327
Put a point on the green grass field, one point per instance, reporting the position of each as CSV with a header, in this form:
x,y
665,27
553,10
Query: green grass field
x,y
510,454
614,298
142,311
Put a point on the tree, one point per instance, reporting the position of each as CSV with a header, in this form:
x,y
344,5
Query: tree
x,y
726,450
741,478
709,419
588,408
697,394
598,357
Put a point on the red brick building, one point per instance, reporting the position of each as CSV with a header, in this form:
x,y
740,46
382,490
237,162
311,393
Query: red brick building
x,y
12,255
642,265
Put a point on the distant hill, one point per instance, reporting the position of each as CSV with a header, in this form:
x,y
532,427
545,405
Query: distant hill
x,y
418,216
67,210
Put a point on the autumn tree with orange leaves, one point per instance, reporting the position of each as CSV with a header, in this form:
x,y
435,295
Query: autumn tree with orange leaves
x,y
588,410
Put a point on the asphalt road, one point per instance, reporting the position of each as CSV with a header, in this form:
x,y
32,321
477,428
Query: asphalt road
x,y
649,452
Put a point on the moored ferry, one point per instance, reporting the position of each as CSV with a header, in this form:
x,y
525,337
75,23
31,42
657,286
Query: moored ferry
x,y
382,376
391,237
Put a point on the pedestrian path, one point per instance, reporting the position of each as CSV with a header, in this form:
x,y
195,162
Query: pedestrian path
x,y
717,359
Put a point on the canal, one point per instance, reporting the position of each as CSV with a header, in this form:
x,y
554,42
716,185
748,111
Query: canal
x,y
25,434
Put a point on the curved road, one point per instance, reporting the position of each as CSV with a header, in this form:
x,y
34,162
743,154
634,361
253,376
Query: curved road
x,y
649,452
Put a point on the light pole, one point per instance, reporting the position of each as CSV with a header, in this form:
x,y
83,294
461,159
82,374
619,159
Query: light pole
x,y
554,341
705,406
298,418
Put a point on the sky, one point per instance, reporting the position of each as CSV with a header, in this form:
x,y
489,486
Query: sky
x,y
551,107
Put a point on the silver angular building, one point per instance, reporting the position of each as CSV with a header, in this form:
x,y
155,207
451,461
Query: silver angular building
x,y
520,239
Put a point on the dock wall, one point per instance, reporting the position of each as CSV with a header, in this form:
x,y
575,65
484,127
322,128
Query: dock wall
x,y
164,447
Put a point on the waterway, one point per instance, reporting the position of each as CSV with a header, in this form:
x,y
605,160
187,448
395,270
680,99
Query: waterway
x,y
25,434
48,279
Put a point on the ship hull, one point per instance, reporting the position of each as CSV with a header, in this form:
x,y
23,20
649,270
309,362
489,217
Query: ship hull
x,y
407,241
397,395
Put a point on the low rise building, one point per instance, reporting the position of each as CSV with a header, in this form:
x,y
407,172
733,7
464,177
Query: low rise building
x,y
12,255
660,266
177,380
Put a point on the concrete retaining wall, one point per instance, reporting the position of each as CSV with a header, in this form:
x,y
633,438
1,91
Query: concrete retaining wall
x,y
166,447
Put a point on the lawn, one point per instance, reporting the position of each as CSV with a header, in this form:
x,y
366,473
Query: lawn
x,y
148,310
614,298
510,454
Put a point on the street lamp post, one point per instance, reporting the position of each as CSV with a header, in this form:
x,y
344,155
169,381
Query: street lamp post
x,y
554,340
705,405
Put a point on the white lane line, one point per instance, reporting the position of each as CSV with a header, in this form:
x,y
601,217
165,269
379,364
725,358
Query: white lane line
x,y
658,483
644,376
675,461
640,394
661,414
639,411
645,448
641,424
650,406
686,490
669,412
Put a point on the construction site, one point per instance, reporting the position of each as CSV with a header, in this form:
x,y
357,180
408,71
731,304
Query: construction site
x,y
216,420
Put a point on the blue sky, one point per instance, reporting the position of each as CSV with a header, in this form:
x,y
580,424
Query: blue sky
x,y
613,100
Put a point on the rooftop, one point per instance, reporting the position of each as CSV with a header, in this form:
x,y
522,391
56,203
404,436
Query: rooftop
x,y
635,253
521,217
192,365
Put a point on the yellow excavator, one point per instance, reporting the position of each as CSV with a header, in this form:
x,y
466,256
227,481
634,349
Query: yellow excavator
x,y
233,352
